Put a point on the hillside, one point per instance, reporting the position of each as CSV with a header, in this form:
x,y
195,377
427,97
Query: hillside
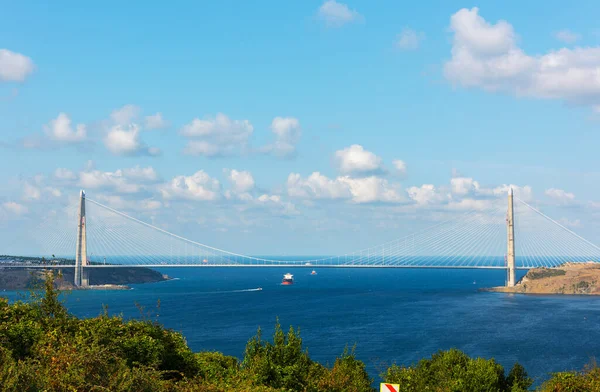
x,y
25,278
569,278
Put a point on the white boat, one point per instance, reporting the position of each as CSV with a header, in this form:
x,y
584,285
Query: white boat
x,y
288,279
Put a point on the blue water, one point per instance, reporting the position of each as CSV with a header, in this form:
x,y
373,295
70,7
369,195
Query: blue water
x,y
392,315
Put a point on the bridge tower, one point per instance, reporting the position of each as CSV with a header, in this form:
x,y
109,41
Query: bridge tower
x,y
81,261
510,255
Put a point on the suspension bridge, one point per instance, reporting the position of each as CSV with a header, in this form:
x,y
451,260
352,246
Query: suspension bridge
x,y
506,234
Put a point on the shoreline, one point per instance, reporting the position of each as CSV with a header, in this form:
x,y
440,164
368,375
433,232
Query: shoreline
x,y
99,279
581,279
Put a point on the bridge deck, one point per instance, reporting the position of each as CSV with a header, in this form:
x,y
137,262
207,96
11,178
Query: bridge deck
x,y
262,266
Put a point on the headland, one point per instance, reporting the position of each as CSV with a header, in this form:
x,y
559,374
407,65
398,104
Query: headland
x,y
569,279
105,278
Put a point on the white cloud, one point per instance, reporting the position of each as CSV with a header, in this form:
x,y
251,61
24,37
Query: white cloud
x,y
373,189
14,208
241,181
358,190
126,141
465,193
355,159
463,185
287,133
199,186
14,67
336,14
265,197
409,39
400,166
487,56
155,121
116,181
60,130
53,191
316,186
217,137
561,196
125,115
426,194
64,174
34,189
567,36
524,193
123,134
277,205
31,192
141,173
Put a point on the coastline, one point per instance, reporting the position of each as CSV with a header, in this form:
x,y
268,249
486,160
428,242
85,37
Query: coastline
x,y
99,279
581,279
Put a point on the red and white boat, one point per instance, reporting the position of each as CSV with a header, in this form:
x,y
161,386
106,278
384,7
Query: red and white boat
x,y
288,279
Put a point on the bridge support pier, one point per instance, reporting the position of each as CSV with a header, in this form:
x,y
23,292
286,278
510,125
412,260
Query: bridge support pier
x,y
510,255
81,273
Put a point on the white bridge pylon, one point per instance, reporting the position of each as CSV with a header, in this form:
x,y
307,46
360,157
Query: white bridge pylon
x,y
472,239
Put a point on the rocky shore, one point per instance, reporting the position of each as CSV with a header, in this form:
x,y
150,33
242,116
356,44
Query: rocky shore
x,y
100,278
568,279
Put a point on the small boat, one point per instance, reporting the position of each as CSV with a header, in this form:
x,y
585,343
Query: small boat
x,y
259,289
288,279
313,272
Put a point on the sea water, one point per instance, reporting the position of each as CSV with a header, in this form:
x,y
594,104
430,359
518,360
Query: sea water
x,y
390,315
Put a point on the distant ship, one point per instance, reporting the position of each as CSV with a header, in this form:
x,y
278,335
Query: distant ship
x,y
288,279
313,272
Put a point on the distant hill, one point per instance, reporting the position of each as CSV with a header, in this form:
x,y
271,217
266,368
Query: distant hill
x,y
26,278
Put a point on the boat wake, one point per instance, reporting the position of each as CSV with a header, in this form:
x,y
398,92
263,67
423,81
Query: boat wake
x,y
242,291
232,291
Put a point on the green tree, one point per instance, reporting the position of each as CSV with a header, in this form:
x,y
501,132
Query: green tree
x,y
453,370
281,364
347,375
586,381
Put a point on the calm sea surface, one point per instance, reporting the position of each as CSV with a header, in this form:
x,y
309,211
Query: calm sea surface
x,y
392,315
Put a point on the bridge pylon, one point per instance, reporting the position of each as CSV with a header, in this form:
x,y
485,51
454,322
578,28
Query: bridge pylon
x,y
81,261
510,228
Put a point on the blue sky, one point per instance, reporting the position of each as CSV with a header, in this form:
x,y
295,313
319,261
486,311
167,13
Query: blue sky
x,y
402,109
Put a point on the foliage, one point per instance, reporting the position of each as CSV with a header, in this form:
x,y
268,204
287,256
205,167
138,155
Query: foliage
x,y
43,347
453,370
347,374
541,273
586,381
281,364
284,364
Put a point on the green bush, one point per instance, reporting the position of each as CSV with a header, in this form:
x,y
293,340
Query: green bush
x,y
453,370
586,381
541,273
281,364
43,347
348,374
